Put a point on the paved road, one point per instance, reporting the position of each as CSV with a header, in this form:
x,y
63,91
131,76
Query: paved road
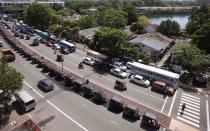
x,y
62,109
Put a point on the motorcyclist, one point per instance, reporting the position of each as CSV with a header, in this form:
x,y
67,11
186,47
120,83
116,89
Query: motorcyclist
x,y
80,65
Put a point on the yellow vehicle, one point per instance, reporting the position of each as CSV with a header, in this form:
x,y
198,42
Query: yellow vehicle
x,y
8,54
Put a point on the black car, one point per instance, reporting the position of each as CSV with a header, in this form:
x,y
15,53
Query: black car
x,y
131,112
99,97
45,85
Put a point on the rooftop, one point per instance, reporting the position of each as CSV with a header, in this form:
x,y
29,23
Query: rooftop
x,y
89,33
155,40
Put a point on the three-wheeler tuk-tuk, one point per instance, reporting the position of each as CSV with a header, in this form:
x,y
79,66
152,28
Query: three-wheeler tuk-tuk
x,y
120,85
99,97
88,91
116,104
68,81
78,85
60,76
131,112
150,120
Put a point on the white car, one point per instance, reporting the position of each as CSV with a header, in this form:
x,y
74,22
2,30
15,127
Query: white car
x,y
88,61
118,72
56,46
119,65
140,80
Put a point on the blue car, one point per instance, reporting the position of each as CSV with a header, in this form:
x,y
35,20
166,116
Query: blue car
x,y
45,85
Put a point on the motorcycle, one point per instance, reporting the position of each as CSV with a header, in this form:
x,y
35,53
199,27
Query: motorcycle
x,y
81,66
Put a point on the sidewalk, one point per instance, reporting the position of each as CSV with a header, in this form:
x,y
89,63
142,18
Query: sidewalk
x,y
176,125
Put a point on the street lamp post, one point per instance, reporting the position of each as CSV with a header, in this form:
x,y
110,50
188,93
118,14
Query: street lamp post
x,y
59,39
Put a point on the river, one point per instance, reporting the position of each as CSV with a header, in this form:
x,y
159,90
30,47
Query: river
x,y
181,19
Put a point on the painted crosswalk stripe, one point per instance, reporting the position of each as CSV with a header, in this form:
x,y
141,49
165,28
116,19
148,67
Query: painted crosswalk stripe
x,y
191,101
184,94
189,114
180,107
195,103
189,104
187,110
191,119
189,122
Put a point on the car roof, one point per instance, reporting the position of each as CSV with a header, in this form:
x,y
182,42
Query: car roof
x,y
138,76
88,58
47,81
117,69
25,96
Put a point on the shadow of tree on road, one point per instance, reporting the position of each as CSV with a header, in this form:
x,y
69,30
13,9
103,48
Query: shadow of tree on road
x,y
45,121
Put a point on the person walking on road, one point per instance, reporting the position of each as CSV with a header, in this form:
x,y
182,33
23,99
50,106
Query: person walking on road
x,y
183,108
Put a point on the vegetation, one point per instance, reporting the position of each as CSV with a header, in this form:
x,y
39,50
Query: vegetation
x,y
40,16
87,22
10,81
137,28
191,58
112,18
143,20
78,4
169,28
131,11
148,3
112,42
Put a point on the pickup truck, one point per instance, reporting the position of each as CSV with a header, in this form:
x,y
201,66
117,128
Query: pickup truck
x,y
8,54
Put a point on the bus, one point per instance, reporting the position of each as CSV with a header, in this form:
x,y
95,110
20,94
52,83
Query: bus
x,y
150,72
25,100
97,56
65,44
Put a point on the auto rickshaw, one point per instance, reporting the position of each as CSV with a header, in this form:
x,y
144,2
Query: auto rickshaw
x,y
59,57
28,37
87,91
120,85
150,120
99,97
131,112
78,85
46,68
116,104
68,81
60,76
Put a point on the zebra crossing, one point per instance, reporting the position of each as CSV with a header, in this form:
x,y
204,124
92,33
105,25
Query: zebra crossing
x,y
191,114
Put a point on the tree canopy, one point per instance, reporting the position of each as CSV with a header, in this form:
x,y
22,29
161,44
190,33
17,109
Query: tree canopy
x,y
40,16
10,81
191,58
87,22
112,18
137,28
143,20
112,41
168,28
131,11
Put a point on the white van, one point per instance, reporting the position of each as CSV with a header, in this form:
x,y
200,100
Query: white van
x,y
25,100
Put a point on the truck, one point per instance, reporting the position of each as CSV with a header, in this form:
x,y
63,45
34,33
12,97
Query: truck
x,y
8,54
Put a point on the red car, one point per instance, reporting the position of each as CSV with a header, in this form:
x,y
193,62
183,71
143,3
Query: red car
x,y
49,44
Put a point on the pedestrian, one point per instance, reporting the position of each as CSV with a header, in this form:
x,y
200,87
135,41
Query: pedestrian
x,y
183,108
87,81
165,94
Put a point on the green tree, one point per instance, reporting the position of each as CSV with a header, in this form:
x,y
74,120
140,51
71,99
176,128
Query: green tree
x,y
10,81
112,18
198,17
191,58
65,11
87,22
143,20
111,41
131,11
201,38
78,4
168,28
137,28
40,16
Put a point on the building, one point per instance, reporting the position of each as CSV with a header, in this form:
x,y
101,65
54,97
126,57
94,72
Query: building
x,y
154,44
29,2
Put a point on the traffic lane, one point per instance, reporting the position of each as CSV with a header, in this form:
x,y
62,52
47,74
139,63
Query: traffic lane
x,y
70,103
94,117
135,92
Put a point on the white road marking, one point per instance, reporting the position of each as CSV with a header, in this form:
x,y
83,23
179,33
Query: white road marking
x,y
67,115
189,104
207,115
196,103
191,100
113,122
188,107
189,118
189,122
191,96
164,104
187,110
172,104
33,89
189,114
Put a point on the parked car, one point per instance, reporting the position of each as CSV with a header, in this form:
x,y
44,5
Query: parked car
x,y
45,85
88,61
119,65
118,72
56,47
140,80
49,44
43,41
